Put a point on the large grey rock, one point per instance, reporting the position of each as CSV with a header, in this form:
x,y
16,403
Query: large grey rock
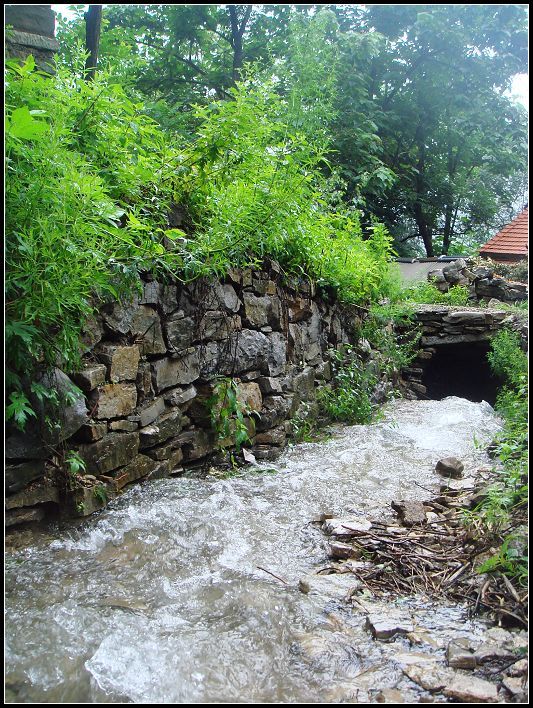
x,y
151,410
141,466
118,316
114,400
181,396
15,517
450,467
217,325
173,372
112,451
252,350
388,626
277,354
220,296
36,494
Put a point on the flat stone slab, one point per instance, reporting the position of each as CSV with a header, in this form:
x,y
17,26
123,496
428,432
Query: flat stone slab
x,y
347,527
386,627
471,689
410,512
338,587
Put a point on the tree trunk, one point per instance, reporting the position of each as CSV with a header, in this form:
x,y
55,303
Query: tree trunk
x,y
93,25
237,32
424,228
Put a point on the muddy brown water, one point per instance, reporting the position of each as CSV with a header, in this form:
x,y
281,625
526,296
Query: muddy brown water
x,y
160,599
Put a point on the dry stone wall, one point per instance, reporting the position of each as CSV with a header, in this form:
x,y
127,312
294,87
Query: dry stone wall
x,y
149,368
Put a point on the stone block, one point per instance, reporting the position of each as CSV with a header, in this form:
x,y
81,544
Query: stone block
x,y
150,411
166,426
249,396
140,467
114,400
146,327
216,325
180,333
90,376
19,476
112,451
24,516
126,426
181,397
168,373
122,362
38,493
91,432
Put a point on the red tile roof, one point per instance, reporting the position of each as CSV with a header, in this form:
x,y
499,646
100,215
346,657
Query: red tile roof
x,y
512,240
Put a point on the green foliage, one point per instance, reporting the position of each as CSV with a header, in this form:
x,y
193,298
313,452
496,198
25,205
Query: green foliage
x,y
349,399
427,293
75,464
229,415
507,359
256,187
507,499
89,180
508,560
100,493
394,336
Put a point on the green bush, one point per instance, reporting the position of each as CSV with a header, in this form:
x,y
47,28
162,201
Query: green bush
x,y
427,293
504,510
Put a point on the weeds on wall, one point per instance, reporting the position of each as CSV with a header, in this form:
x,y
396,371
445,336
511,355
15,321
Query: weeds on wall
x,y
89,184
230,417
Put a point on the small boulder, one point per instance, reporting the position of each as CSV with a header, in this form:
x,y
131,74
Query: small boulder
x,y
450,467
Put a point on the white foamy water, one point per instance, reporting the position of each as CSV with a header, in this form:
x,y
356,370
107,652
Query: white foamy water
x,y
159,599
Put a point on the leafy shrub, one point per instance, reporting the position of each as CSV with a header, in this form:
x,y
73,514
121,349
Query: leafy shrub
x,y
255,186
427,293
507,499
349,399
83,166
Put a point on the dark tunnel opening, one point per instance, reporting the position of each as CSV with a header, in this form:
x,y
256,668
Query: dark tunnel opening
x,y
461,370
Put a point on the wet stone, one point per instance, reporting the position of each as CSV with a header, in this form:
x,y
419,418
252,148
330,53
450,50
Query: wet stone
x,y
172,372
450,467
346,527
410,512
18,476
91,432
24,516
383,627
390,695
146,327
114,400
460,654
430,678
112,451
471,689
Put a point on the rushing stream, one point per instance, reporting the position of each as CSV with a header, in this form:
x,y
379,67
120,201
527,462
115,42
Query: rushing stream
x,y
161,598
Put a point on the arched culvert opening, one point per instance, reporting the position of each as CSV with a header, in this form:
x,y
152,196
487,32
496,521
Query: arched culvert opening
x,y
461,370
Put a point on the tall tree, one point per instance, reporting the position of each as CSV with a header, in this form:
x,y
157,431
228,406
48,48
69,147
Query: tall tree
x,y
435,90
